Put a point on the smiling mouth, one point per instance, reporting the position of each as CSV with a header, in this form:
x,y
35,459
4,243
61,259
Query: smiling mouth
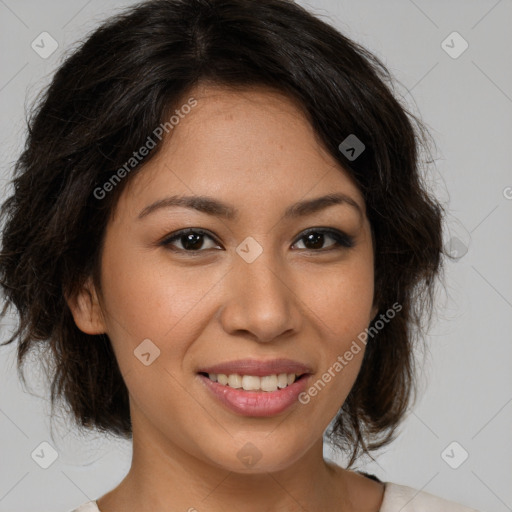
x,y
268,383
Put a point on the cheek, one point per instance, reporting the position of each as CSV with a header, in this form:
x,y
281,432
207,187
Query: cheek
x,y
342,302
342,298
150,298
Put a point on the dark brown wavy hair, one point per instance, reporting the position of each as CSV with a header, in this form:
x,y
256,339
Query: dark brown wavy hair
x,y
110,94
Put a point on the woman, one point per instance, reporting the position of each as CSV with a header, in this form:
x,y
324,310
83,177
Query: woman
x,y
220,232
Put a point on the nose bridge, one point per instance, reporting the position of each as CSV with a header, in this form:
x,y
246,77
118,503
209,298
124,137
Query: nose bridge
x,y
259,299
256,262
263,277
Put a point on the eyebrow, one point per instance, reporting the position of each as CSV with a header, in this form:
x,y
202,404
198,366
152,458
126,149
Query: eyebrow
x,y
214,207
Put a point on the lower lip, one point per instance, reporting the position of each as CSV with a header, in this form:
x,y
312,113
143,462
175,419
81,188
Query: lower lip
x,y
257,403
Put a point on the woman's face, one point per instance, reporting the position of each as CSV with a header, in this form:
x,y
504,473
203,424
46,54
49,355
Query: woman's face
x,y
253,285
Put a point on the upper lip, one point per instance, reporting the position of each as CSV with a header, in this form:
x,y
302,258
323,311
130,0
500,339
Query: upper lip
x,y
258,368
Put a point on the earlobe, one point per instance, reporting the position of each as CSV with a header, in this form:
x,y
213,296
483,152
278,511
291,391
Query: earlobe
x,y
86,310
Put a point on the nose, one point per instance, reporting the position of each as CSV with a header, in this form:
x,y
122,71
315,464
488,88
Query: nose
x,y
260,300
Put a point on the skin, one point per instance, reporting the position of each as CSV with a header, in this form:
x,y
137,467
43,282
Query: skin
x,y
255,150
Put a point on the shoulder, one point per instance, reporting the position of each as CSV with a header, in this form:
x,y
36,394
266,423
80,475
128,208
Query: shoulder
x,y
406,499
90,506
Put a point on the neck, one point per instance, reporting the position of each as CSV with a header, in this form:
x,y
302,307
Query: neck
x,y
164,475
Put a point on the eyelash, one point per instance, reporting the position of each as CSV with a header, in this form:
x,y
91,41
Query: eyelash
x,y
341,240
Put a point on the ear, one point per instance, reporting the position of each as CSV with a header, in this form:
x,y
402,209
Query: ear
x,y
86,310
375,310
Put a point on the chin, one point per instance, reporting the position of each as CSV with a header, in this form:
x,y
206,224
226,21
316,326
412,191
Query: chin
x,y
258,456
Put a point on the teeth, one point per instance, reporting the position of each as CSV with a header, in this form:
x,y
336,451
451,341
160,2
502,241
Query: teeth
x,y
250,383
253,383
222,379
235,381
282,380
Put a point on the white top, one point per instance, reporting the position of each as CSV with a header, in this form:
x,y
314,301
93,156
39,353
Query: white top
x,y
397,498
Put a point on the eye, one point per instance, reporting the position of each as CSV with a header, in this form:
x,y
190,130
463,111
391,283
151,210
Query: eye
x,y
315,238
191,240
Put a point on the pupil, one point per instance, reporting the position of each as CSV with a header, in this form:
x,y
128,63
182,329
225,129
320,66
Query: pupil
x,y
192,241
316,238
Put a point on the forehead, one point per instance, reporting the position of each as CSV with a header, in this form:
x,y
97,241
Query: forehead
x,y
218,99
244,142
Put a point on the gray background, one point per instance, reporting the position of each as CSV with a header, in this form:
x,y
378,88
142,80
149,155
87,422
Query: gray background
x,y
466,102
